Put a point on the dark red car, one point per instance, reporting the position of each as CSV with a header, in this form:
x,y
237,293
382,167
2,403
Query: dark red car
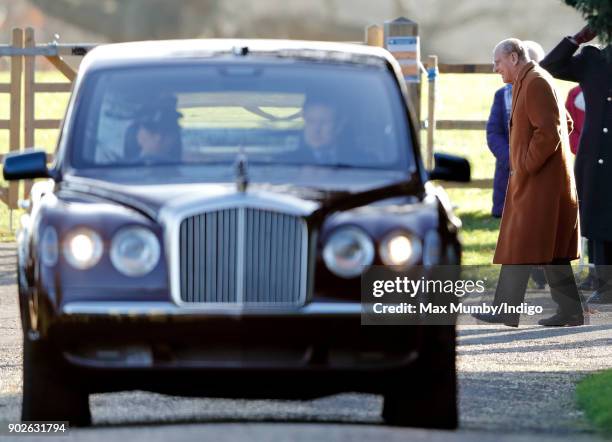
x,y
203,230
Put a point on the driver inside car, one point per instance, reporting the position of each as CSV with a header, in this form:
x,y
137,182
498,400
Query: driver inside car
x,y
329,139
321,137
321,130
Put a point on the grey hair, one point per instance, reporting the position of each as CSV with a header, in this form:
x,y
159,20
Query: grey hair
x,y
510,45
535,50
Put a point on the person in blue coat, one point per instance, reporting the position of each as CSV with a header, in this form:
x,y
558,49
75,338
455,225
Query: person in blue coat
x,y
497,140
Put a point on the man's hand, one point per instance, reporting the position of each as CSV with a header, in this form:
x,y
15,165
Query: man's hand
x,y
586,34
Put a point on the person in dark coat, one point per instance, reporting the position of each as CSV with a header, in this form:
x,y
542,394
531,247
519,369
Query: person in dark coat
x,y
575,107
592,68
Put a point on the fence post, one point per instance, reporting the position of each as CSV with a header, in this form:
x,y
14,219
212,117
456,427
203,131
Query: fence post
x,y
15,111
432,76
402,40
28,96
374,36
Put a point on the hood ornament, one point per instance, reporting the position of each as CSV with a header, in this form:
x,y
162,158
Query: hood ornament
x,y
242,177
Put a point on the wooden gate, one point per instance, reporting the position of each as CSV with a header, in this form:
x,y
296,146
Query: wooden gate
x,y
23,87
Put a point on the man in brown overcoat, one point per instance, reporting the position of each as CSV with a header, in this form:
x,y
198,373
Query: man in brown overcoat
x,y
540,222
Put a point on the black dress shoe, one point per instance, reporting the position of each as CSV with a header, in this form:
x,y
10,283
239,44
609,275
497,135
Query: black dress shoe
x,y
600,298
495,319
563,320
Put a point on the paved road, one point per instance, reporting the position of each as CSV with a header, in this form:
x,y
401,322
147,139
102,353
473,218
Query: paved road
x,y
515,385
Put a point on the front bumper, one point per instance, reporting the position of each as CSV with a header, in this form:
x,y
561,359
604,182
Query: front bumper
x,y
317,349
169,309
318,336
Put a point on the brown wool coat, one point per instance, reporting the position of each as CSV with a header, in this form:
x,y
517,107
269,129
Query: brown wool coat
x,y
540,217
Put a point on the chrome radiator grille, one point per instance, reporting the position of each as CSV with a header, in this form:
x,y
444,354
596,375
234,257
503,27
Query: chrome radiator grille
x,y
243,255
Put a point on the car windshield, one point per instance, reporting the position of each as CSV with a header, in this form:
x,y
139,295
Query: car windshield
x,y
317,114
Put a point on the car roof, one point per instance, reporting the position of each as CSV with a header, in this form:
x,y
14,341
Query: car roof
x,y
164,51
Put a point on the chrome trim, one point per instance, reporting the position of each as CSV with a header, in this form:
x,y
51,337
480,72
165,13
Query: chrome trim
x,y
367,246
240,255
175,212
89,187
192,204
157,309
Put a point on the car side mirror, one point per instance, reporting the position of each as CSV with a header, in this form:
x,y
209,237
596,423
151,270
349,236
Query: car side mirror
x,y
31,163
450,168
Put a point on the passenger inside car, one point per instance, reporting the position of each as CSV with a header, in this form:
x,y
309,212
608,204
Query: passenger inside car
x,y
155,134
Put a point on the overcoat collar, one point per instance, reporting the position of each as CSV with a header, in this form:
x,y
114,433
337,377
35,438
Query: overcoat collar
x,y
518,83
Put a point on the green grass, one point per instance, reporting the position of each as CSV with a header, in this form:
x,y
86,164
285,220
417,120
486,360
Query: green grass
x,y
480,229
459,96
594,396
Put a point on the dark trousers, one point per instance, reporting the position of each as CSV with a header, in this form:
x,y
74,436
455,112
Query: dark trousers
x,y
602,257
537,274
512,285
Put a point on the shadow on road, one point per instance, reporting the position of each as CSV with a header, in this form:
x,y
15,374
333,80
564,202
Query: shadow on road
x,y
531,333
540,348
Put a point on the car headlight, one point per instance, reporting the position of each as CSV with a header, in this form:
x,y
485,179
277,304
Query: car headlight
x,y
82,248
400,249
347,251
134,251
